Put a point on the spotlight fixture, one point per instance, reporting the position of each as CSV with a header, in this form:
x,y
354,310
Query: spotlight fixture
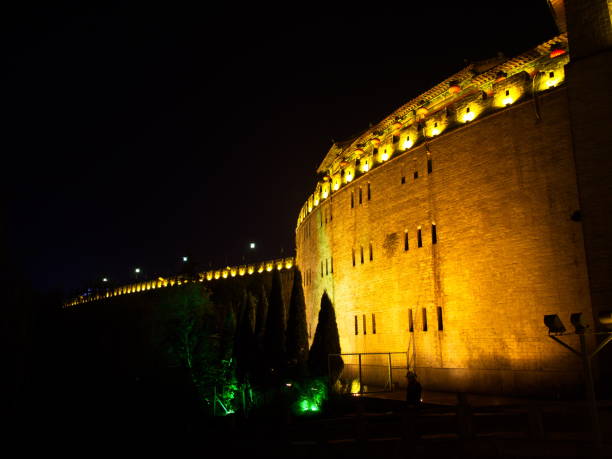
x,y
554,324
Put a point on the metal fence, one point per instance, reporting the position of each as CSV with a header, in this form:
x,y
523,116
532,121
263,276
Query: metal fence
x,y
363,373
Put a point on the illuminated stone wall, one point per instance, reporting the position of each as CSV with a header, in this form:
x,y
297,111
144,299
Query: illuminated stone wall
x,y
500,188
206,276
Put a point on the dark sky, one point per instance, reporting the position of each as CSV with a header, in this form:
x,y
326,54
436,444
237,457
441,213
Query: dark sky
x,y
136,134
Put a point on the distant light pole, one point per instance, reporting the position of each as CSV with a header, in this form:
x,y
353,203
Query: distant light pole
x,y
105,279
556,328
137,272
185,259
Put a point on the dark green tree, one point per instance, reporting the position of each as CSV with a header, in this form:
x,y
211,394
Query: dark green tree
x,y
245,345
326,342
274,335
261,314
297,333
186,319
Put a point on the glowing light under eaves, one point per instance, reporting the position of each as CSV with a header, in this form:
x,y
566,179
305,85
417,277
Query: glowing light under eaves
x,y
469,116
435,131
408,143
508,101
384,156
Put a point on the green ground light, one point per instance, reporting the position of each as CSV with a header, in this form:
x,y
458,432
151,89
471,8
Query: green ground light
x,y
311,397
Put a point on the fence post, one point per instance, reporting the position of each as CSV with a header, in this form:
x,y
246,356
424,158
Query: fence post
x,y
390,374
360,384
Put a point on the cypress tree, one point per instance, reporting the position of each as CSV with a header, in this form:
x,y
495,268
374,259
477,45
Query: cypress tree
x,y
326,341
297,334
274,336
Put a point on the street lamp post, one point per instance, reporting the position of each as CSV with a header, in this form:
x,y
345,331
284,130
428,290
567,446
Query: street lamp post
x,y
555,329
137,272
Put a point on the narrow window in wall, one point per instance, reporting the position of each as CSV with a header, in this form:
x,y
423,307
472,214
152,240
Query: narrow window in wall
x,y
326,269
365,331
416,174
371,252
395,138
360,196
424,319
331,264
361,249
369,192
321,268
373,323
330,214
440,323
551,74
352,199
356,325
321,218
410,321
419,238
374,151
403,180
429,166
406,247
434,234
353,255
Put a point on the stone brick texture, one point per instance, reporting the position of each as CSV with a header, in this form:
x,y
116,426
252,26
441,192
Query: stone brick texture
x,y
501,193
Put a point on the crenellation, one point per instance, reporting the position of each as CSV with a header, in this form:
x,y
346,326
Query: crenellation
x,y
164,282
470,242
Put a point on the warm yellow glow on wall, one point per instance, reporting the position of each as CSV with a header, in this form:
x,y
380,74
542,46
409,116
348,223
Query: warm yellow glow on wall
x,y
336,185
288,263
233,272
408,143
468,115
217,274
251,269
269,266
279,265
260,269
209,275
551,78
349,174
365,166
316,199
325,190
507,96
242,270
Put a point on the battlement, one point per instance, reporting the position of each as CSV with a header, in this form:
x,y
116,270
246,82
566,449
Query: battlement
x,y
205,276
480,89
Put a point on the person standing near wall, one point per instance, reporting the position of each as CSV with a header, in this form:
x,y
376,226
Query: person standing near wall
x,y
413,390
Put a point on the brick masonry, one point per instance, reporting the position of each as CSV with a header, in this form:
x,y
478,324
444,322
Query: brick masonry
x,y
501,193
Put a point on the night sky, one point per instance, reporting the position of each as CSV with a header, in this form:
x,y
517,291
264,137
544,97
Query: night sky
x,y
134,135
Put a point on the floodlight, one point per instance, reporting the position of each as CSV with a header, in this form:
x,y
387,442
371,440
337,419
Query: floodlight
x,y
553,323
605,318
185,259
252,245
578,322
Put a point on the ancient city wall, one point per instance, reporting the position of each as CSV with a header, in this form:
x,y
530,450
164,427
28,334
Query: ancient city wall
x,y
454,249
